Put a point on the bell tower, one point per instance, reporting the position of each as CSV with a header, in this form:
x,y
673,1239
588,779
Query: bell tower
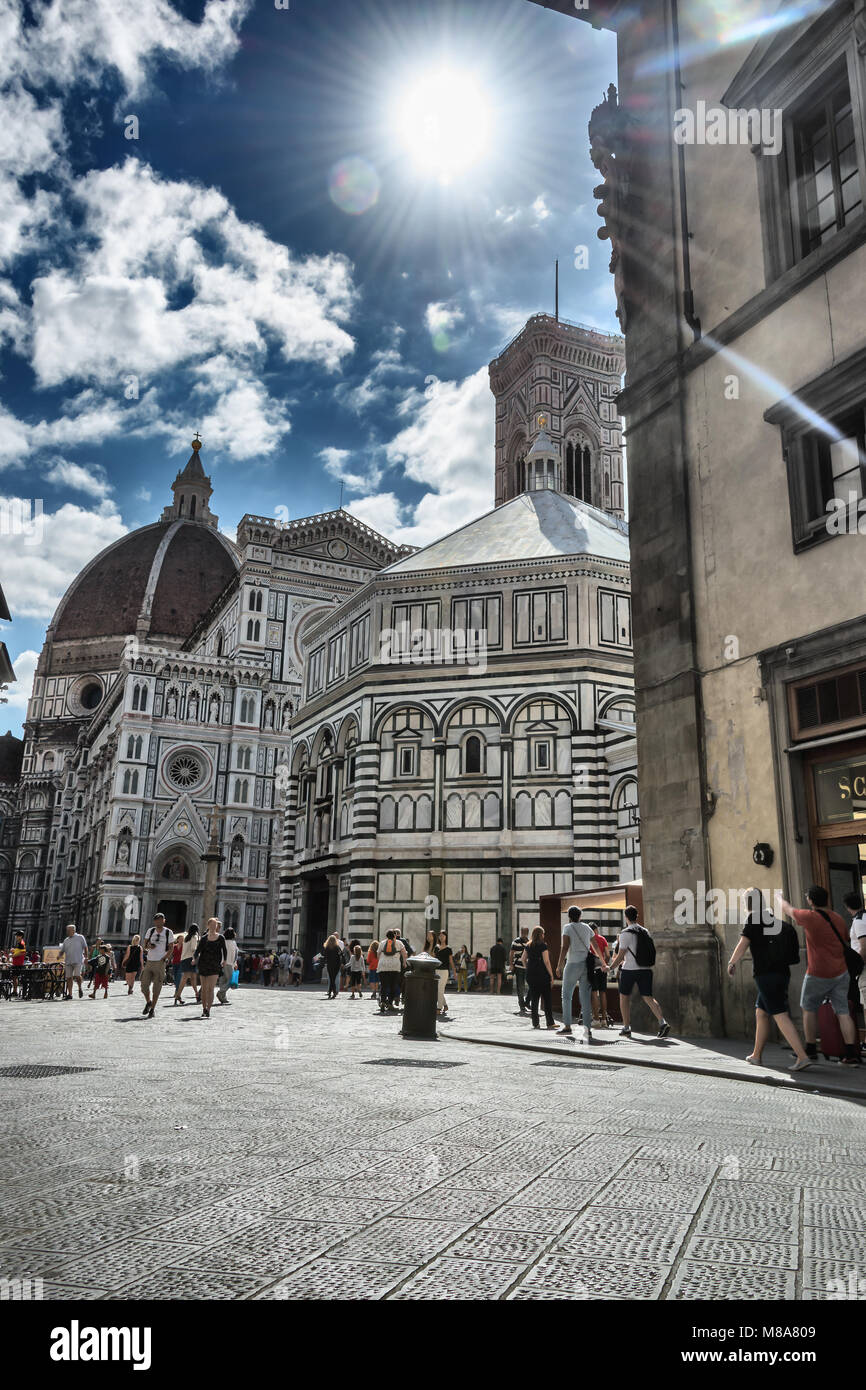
x,y
555,386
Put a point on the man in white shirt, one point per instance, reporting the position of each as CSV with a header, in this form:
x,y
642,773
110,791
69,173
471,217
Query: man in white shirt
x,y
73,948
634,974
157,943
854,908
578,943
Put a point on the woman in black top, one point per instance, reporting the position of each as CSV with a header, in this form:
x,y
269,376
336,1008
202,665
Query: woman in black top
x,y
445,955
209,956
773,945
539,976
333,963
132,962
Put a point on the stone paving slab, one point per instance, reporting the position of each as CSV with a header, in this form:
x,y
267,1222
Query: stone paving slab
x,y
498,1022
294,1170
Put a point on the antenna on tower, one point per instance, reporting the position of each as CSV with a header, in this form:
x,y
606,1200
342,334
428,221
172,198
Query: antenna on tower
x,y
341,494
557,292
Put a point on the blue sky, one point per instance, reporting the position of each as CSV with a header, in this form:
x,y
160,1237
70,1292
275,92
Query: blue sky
x,y
271,261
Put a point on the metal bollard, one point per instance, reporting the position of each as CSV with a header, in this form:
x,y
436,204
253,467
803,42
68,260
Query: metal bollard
x,y
419,997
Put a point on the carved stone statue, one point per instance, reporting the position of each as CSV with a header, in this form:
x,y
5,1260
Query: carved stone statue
x,y
236,860
608,152
123,852
171,705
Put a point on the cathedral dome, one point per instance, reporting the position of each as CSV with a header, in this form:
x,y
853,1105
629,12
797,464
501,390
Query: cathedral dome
x,y
158,581
11,756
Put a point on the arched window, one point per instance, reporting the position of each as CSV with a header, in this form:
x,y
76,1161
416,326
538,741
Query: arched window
x,y
472,754
253,630
134,787
578,469
127,782
628,830
136,693
244,756
220,643
182,507
143,701
242,789
192,507
130,747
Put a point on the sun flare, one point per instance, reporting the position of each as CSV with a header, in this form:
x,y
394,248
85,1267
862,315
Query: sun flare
x,y
442,118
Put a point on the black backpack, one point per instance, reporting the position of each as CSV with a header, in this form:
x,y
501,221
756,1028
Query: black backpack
x,y
644,948
782,947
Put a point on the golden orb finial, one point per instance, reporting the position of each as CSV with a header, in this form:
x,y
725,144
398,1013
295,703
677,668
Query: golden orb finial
x,y
196,443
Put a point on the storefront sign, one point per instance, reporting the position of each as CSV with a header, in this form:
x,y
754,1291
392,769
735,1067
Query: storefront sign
x,y
840,791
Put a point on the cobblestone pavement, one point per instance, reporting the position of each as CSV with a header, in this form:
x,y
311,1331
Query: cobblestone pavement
x,y
291,1147
485,1019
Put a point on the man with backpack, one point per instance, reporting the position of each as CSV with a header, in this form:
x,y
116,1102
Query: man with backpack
x,y
830,963
636,953
157,944
775,948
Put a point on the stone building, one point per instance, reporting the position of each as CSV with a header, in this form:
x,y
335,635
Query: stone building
x,y
161,705
570,375
465,741
733,176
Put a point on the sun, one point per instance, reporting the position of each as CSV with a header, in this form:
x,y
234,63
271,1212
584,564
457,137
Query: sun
x,y
442,119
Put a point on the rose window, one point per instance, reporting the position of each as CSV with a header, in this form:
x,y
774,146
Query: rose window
x,y
185,771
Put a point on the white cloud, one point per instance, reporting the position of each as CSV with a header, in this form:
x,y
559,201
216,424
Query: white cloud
x,y
449,446
335,461
384,380
245,421
18,693
442,318
88,418
530,215
76,41
381,511
91,480
143,495
41,560
145,239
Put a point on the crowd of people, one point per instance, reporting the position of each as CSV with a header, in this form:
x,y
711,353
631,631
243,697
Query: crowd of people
x,y
832,998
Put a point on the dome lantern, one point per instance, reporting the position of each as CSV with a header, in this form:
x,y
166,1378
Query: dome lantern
x,y
543,461
192,492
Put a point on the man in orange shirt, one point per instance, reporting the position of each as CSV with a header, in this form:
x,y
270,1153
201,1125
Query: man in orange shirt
x,y
826,971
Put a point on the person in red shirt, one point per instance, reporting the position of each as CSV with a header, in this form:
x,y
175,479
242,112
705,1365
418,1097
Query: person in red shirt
x,y
826,971
19,951
599,979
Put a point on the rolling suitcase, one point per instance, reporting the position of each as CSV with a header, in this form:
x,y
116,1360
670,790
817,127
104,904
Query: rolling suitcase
x,y
830,1033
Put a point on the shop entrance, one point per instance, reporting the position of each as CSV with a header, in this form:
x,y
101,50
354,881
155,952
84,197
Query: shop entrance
x,y
844,865
837,821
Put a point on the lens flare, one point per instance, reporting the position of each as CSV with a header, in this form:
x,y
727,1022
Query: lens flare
x,y
354,185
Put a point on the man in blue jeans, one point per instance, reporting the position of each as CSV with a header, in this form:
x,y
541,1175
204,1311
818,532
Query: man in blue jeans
x,y
578,940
